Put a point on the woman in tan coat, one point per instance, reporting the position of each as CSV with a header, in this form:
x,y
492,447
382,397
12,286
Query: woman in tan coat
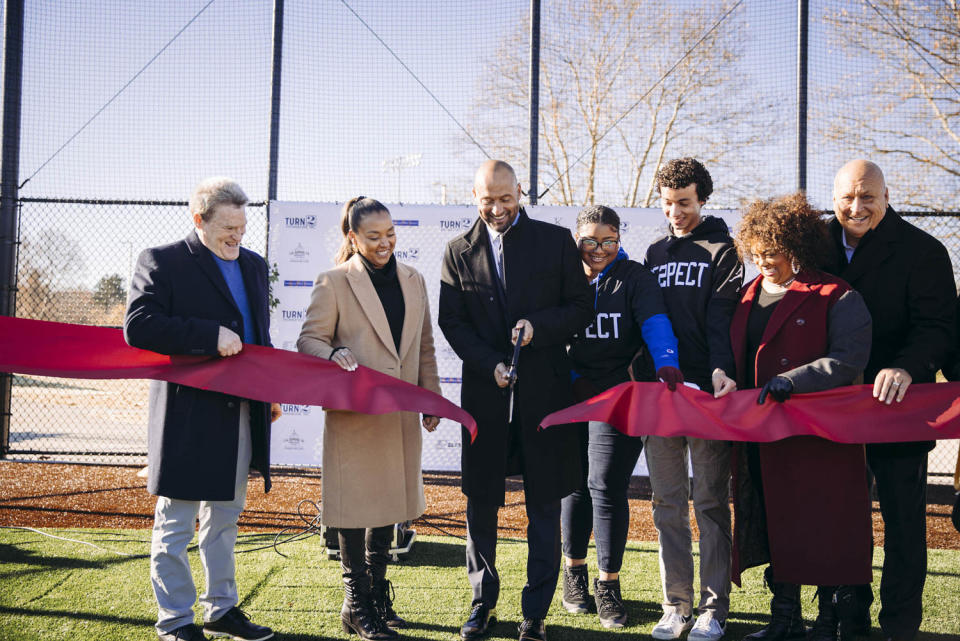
x,y
372,311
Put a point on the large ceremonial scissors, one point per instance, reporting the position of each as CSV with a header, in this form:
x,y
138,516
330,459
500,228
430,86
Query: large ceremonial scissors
x,y
512,371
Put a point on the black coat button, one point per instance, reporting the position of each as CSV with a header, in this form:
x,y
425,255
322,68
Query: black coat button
x,y
784,361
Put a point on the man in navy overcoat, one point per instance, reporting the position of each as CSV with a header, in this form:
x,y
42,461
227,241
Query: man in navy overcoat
x,y
204,295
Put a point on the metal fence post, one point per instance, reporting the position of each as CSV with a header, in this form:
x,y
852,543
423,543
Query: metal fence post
x,y
802,20
9,188
534,97
275,109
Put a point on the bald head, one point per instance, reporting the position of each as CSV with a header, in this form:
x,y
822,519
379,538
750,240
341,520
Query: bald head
x,y
492,168
860,198
497,194
857,170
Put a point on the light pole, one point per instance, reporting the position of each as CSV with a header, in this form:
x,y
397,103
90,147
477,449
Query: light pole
x,y
400,163
443,191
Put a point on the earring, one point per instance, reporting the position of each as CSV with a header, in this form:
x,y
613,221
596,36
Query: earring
x,y
794,266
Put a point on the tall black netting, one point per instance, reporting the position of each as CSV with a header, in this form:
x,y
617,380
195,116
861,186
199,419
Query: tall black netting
x,y
138,101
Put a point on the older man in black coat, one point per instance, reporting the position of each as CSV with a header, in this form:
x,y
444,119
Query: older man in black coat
x,y
506,273
906,279
204,295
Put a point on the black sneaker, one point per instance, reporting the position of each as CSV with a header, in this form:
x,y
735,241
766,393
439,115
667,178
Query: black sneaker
x,y
236,625
609,603
189,632
576,589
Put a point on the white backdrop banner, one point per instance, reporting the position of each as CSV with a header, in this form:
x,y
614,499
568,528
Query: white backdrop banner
x,y
303,240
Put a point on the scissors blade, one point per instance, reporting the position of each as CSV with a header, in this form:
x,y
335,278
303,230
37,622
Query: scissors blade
x,y
513,370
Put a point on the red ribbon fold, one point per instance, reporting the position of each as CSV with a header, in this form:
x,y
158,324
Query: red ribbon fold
x,y
929,411
43,348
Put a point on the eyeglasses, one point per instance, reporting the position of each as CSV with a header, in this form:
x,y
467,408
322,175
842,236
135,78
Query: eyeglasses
x,y
590,244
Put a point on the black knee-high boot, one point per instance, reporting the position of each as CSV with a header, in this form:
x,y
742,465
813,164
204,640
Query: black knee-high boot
x,y
358,615
786,622
381,590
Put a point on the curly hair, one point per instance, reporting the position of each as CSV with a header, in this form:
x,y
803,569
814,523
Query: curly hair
x,y
788,225
680,172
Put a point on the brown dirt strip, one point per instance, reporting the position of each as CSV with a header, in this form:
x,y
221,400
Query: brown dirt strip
x,y
48,495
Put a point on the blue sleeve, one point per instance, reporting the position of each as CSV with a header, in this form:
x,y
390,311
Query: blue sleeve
x,y
661,341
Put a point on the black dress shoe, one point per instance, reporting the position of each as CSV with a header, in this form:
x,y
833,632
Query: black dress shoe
x,y
188,632
237,625
481,618
533,630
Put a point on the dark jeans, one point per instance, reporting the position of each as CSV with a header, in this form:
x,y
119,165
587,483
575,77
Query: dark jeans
x,y
365,551
902,490
601,504
543,556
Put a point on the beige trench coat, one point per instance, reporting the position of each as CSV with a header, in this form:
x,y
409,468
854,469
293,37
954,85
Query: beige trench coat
x,y
371,463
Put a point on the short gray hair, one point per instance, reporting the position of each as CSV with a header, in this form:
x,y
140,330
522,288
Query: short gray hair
x,y
215,191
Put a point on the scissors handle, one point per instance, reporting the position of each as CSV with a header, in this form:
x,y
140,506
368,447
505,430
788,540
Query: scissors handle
x,y
512,372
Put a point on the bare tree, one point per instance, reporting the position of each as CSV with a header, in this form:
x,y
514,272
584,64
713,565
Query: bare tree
x,y
901,105
48,263
602,59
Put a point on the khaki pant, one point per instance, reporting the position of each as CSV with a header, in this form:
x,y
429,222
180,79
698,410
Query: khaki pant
x,y
667,461
174,523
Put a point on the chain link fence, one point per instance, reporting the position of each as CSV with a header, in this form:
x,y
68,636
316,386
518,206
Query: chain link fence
x,y
401,101
80,272
75,262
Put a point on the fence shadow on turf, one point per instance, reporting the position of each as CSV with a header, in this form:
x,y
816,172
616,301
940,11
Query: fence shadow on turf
x,y
13,554
435,554
146,622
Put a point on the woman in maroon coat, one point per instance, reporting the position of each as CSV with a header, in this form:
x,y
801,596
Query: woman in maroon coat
x,y
801,503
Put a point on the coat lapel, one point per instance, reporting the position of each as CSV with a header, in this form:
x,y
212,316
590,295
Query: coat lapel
x,y
477,261
515,265
366,295
413,301
877,246
209,267
796,294
255,295
738,328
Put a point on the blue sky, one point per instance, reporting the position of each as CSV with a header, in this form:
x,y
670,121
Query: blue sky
x,y
202,107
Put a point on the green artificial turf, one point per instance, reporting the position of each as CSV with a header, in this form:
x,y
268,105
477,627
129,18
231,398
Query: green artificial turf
x,y
55,590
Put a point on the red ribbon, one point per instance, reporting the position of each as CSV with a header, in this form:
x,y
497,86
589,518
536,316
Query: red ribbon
x,y
260,373
929,411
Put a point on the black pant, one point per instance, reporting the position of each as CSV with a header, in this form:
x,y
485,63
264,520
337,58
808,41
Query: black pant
x,y
543,555
365,552
902,490
601,503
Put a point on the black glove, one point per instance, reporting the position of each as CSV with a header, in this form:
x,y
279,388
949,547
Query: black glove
x,y
778,387
671,376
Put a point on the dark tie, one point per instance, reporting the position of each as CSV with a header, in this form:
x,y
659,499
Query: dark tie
x,y
500,273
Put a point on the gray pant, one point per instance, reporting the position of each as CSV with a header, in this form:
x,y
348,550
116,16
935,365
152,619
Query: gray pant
x,y
173,526
667,463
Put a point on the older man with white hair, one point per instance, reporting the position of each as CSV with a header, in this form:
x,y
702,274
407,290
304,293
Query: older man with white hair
x,y
204,295
905,276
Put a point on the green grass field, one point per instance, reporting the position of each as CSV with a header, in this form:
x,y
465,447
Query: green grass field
x,y
54,590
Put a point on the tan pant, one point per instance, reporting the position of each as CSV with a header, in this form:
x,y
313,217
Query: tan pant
x,y
667,461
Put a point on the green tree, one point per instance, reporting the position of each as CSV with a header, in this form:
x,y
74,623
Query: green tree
x,y
109,291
